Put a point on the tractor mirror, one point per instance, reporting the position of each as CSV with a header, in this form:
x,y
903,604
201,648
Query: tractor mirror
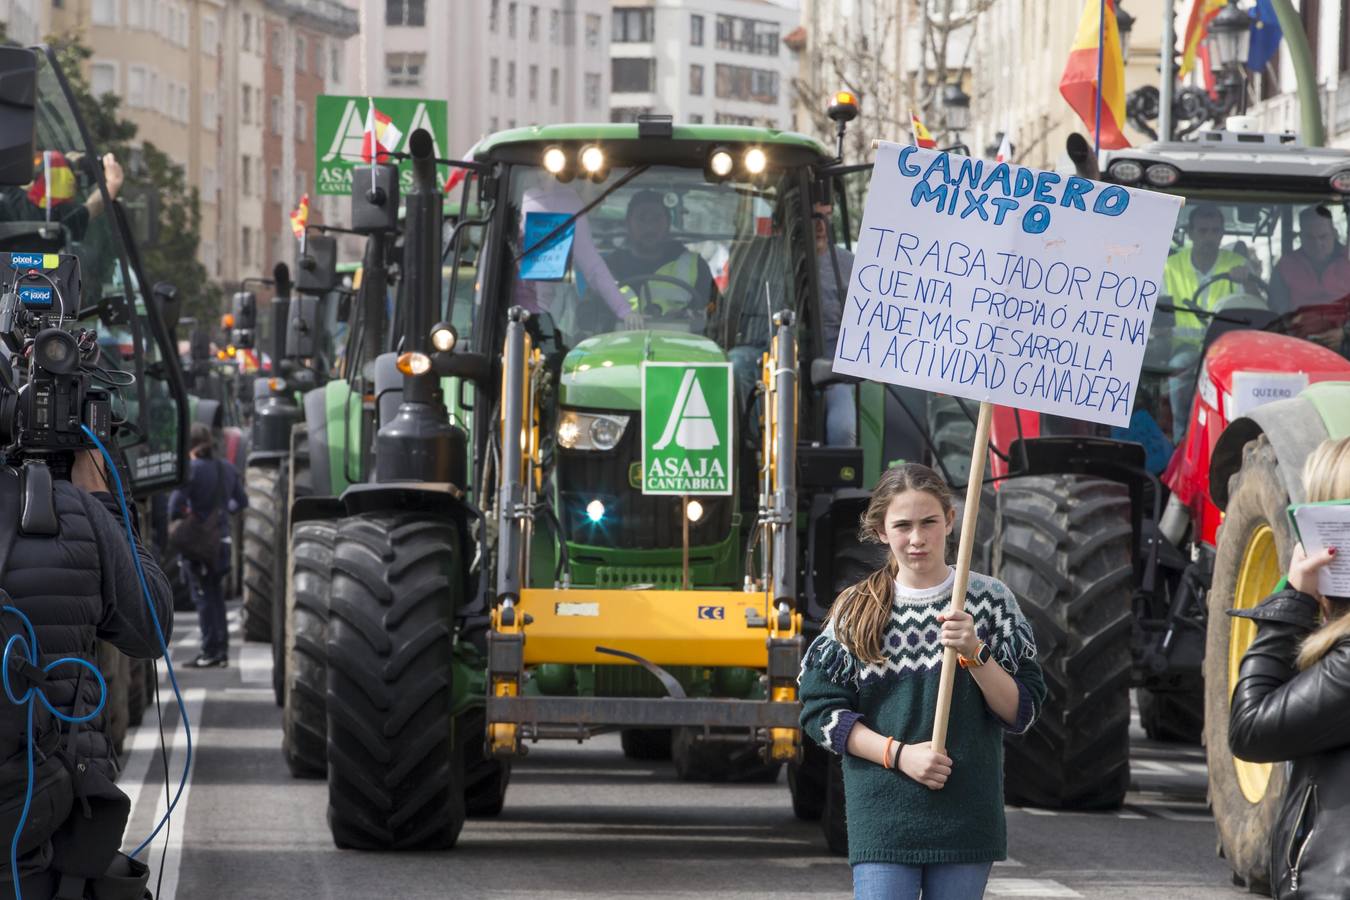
x,y
475,367
245,307
302,329
18,115
318,265
374,199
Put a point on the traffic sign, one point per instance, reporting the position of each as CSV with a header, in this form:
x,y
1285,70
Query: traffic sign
x,y
339,127
686,428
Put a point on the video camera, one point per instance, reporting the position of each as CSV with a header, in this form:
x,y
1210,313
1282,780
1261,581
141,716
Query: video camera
x,y
46,391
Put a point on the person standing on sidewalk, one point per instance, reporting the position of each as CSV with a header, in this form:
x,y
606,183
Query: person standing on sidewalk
x,y
213,488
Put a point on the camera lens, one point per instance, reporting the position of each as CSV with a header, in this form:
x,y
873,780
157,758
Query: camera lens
x,y
56,351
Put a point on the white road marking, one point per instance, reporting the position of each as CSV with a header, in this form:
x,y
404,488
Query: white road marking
x,y
1008,863
255,664
1028,887
194,699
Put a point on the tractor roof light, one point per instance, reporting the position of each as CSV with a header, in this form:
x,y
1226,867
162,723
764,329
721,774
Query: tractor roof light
x,y
444,337
721,162
843,107
1162,175
1125,171
227,320
413,363
555,160
1340,182
755,161
592,160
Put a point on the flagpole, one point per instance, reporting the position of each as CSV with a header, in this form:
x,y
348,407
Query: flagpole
x,y
1101,61
47,183
1168,86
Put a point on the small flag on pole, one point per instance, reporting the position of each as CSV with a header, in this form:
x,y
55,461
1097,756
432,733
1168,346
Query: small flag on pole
x,y
1266,36
55,184
1005,150
300,218
381,136
922,137
1197,26
1079,86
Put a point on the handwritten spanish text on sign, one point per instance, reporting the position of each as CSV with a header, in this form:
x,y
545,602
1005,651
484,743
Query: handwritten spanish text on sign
x,y
1001,283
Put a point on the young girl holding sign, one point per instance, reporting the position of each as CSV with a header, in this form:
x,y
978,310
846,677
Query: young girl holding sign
x,y
1290,704
920,822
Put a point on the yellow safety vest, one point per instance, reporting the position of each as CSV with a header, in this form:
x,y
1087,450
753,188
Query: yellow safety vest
x,y
668,297
1181,280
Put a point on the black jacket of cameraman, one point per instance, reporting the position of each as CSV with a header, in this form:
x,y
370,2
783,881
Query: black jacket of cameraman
x,y
1280,714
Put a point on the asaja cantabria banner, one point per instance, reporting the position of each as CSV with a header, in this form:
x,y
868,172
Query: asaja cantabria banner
x,y
997,282
340,124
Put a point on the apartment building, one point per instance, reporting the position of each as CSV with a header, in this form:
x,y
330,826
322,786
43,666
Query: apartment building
x,y
25,21
716,62
499,63
1327,24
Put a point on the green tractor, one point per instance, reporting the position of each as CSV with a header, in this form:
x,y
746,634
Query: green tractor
x,y
483,569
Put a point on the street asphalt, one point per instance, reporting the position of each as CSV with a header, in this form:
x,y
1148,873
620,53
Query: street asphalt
x,y
581,821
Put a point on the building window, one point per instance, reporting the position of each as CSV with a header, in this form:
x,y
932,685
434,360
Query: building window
x,y
745,83
404,69
534,82
136,14
696,80
632,25
696,31
405,12
301,52
628,113
246,246
747,35
210,112
593,23
632,75
725,119
104,12
510,78
277,123
533,31
210,36
511,19
494,15
554,85
103,79
492,124
335,60
135,86
210,184
301,117
246,176
246,30
695,118
274,184
592,90
492,75
554,27
278,52
301,183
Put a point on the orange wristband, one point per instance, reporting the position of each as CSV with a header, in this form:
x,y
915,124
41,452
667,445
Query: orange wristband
x,y
886,754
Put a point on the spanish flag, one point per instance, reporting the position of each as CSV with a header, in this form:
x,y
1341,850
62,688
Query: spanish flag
x,y
55,184
1079,85
300,218
922,137
1197,26
381,136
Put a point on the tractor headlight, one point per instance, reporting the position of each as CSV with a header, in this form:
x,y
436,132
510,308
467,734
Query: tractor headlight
x,y
590,431
444,337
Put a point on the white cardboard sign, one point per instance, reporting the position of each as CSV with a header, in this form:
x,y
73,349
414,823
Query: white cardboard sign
x,y
1253,389
1002,283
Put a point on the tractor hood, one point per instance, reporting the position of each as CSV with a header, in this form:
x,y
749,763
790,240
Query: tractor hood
x,y
605,371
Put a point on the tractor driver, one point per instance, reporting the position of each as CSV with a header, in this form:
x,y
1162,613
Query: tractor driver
x,y
1318,272
658,274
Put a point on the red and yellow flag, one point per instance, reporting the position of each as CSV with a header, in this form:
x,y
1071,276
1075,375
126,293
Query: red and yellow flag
x,y
1197,26
1078,85
300,218
55,183
922,136
381,136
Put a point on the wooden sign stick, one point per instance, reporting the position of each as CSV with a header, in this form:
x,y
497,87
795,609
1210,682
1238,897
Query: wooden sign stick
x,y
970,515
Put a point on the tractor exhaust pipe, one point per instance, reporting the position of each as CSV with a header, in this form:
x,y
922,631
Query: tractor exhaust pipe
x,y
784,500
511,509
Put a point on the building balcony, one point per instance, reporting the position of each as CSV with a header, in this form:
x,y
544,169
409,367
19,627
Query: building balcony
x,y
328,16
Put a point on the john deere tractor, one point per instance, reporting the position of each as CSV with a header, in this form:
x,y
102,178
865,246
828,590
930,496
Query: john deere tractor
x,y
586,487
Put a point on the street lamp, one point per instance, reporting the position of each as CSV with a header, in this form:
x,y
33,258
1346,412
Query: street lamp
x,y
1124,25
956,107
1229,37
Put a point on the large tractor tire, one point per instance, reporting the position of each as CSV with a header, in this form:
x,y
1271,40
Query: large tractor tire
x,y
261,536
395,776
645,743
1174,717
1253,553
1063,546
718,760
485,778
952,432
296,483
304,717
807,781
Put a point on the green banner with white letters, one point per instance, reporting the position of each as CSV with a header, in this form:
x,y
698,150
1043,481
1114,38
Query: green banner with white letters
x,y
686,428
340,127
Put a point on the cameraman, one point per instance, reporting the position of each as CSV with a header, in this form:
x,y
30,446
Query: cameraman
x,y
75,578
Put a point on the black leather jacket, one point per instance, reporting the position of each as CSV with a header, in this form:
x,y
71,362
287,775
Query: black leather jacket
x,y
1280,714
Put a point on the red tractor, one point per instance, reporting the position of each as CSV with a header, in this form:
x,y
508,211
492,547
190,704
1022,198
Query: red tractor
x,y
1109,536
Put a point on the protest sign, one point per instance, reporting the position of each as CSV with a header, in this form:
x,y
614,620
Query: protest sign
x,y
1000,283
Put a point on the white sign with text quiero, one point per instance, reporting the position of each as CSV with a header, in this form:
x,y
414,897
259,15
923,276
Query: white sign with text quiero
x,y
1001,283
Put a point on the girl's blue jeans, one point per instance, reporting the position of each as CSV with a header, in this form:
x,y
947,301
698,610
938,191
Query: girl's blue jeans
x,y
942,881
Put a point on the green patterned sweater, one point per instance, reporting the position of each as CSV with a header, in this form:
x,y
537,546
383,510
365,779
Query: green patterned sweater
x,y
892,818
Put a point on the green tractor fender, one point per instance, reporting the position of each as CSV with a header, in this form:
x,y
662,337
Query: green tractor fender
x,y
1294,427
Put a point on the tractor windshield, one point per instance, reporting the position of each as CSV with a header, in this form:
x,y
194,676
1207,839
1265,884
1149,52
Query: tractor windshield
x,y
656,247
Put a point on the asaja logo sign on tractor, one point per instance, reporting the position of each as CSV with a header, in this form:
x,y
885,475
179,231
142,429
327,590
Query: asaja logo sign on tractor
x,y
686,428
340,124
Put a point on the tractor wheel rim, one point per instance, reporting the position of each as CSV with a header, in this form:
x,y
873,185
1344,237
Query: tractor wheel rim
x,y
1257,577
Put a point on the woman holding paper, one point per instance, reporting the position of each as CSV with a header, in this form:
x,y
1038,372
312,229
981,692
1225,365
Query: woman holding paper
x,y
1292,703
920,822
